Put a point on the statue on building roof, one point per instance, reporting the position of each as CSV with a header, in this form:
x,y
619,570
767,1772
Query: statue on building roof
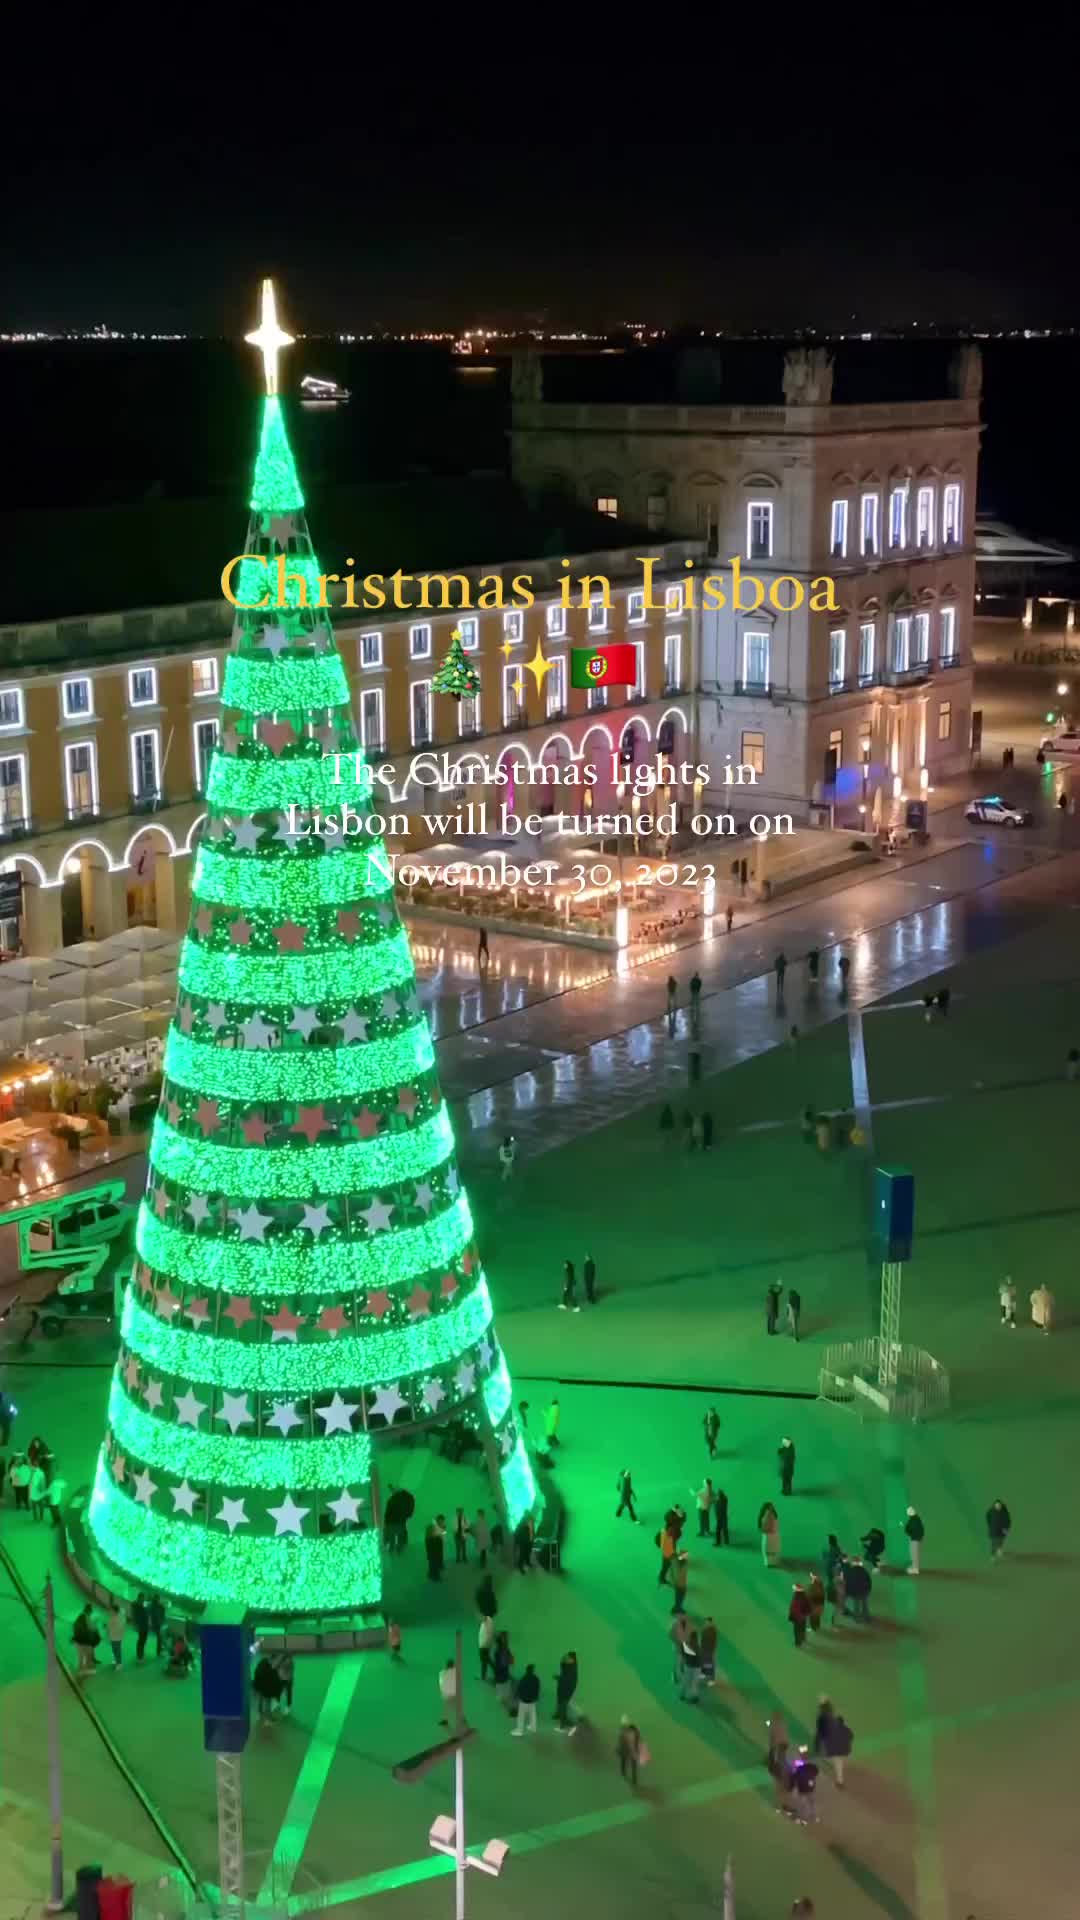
x,y
966,372
808,377
526,378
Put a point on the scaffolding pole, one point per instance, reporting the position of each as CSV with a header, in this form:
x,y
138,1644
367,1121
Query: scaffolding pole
x,y
230,1818
892,1274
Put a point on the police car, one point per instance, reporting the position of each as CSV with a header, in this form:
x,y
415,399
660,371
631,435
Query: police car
x,y
995,812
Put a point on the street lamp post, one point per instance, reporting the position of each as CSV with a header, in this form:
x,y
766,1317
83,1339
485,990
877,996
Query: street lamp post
x,y
55,1901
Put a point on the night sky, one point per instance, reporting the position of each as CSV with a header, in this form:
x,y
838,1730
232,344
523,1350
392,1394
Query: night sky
x,y
690,184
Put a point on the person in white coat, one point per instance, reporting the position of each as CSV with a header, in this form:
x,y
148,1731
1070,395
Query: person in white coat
x,y
1042,1308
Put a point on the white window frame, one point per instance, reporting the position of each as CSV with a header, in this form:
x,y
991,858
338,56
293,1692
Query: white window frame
x,y
211,692
83,713
555,684
870,548
944,713
674,602
420,641
949,631
555,620
369,666
836,745
951,521
514,626
133,672
673,647
208,720
597,699
756,733
921,633
469,711
367,738
420,740
470,633
838,530
608,504
656,511
20,760
512,706
837,658
145,733
765,507
898,528
635,608
597,616
867,652
901,631
925,518
72,747
637,691
17,725
756,633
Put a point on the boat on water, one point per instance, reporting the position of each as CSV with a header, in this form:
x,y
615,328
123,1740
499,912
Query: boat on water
x,y
317,392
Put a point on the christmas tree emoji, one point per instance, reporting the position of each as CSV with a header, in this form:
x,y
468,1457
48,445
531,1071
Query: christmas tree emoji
x,y
457,675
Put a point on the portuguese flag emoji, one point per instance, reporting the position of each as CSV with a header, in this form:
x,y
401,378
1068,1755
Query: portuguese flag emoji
x,y
614,666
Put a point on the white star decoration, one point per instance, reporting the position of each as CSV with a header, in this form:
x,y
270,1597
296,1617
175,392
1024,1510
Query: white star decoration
x,y
317,1219
233,1515
289,1517
388,1402
251,1222
189,1409
145,1488
234,1411
215,1016
304,1020
339,1415
452,1182
388,1006
285,1417
434,1393
506,1442
288,834
184,1498
246,832
274,639
345,1507
256,1032
424,1196
485,1353
378,1216
353,1026
198,1209
154,1395
465,1379
131,1371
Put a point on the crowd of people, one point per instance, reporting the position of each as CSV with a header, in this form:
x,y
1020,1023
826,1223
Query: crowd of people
x,y
36,1487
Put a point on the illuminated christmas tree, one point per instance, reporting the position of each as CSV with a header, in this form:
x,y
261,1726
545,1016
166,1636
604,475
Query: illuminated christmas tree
x,y
306,1276
457,675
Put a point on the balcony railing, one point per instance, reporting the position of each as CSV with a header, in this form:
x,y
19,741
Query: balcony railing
x,y
15,826
77,814
906,676
763,688
146,802
671,686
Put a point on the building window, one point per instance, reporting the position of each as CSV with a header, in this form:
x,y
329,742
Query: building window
x,y
674,602
371,654
635,609
924,517
898,500
420,712
514,627
607,503
950,514
752,751
11,708
470,633
78,699
837,650
638,692
13,803
204,736
869,540
469,714
865,737
513,695
944,720
948,633
420,643
204,677
556,620
836,745
672,662
372,737
838,526
755,659
555,684
901,645
596,697
145,777
80,778
142,687
759,519
922,640
598,614
866,653
656,512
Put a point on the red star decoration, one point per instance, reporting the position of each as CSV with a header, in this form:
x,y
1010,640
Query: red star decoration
x,y
240,932
418,1302
327,738
448,1286
348,925
119,1466
165,1302
311,1121
239,1310
161,1202
377,1303
366,1123
207,1117
284,1322
204,923
144,1279
332,1320
198,1311
276,734
254,1129
468,1262
436,1097
290,937
406,1101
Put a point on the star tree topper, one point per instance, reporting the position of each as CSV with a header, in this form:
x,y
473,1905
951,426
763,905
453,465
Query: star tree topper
x,y
269,337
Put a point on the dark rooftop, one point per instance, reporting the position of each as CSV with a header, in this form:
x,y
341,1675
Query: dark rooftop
x,y
748,373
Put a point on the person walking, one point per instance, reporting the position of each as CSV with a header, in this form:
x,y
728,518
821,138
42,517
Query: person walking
x,y
568,1303
448,1693
524,1535
86,1637
628,1747
998,1525
481,1534
502,1665
815,1593
565,1688
704,1498
485,1597
813,963
140,1620
721,1537
665,1540
794,1310
844,965
780,969
672,990
284,1665
785,1456
435,1547
695,1004
839,1593
873,1546
115,1629
729,916
838,1744
779,1742
461,1538
772,1305
19,1474
826,1714
799,1613
552,1416
680,1580
690,1689
832,1558
1007,1302
528,1693
38,1490
707,1644
624,1487
393,1639
706,1130
859,1587
156,1612
711,1426
677,1633
769,1528
1042,1308
485,1645
507,1156
55,1496
916,1534
667,1123
588,1274
483,956
804,1774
